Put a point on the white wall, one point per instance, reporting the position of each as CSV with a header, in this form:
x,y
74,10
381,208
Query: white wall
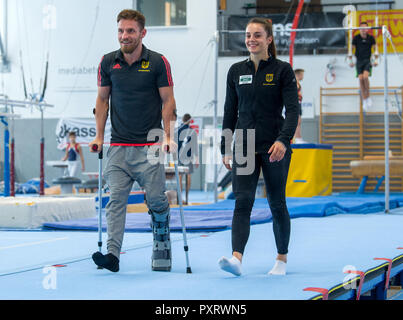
x,y
73,47
185,47
188,51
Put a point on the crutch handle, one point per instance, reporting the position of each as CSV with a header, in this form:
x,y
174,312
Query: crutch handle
x,y
95,149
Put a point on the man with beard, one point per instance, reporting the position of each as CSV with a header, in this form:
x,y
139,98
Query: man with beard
x,y
138,83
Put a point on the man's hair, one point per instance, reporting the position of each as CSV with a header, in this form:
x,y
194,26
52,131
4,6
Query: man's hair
x,y
72,134
129,14
364,22
186,117
298,71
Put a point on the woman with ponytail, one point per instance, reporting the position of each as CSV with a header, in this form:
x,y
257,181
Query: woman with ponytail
x,y
257,91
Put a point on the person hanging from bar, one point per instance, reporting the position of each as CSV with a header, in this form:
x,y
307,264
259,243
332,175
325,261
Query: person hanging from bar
x,y
257,91
363,43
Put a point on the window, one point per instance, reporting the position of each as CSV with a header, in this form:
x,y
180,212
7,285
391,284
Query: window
x,y
163,12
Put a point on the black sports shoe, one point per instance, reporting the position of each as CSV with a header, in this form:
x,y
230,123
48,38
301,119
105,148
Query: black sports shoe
x,y
108,261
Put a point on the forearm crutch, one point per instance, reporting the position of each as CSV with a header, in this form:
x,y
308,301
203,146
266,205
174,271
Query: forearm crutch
x,y
100,157
178,187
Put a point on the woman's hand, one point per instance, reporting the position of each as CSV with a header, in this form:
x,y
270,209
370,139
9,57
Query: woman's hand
x,y
196,162
277,151
169,145
226,161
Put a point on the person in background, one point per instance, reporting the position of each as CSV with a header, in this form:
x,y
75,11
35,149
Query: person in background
x,y
299,75
73,150
363,43
188,149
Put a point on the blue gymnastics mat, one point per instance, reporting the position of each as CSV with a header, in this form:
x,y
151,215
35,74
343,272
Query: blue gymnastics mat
x,y
217,217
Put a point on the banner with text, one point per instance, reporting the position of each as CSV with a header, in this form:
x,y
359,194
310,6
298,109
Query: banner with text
x,y
282,24
85,130
392,19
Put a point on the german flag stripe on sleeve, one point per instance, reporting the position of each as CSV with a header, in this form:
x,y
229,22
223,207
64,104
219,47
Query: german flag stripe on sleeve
x,y
168,70
99,72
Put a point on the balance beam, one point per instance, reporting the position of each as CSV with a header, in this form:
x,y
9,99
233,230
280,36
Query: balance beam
x,y
374,167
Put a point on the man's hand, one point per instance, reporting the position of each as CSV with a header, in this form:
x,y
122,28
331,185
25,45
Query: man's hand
x,y
98,142
226,160
277,151
169,145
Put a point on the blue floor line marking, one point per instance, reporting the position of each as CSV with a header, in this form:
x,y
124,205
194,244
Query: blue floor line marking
x,y
82,258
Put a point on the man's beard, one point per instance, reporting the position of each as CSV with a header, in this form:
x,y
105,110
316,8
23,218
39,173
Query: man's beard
x,y
130,49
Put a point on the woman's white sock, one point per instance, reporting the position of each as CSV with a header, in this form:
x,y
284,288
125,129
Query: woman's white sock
x,y
279,268
232,265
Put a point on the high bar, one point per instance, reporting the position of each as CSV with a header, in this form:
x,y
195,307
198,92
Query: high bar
x,y
24,104
312,29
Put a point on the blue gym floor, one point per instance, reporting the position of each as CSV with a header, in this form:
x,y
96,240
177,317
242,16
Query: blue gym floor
x,y
319,250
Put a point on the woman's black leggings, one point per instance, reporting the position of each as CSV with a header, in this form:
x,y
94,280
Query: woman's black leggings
x,y
244,187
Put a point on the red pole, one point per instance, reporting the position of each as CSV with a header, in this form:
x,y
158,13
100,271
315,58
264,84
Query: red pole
x,y
12,172
295,26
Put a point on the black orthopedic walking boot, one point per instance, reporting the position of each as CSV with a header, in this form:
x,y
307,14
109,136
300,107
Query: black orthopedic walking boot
x,y
162,256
